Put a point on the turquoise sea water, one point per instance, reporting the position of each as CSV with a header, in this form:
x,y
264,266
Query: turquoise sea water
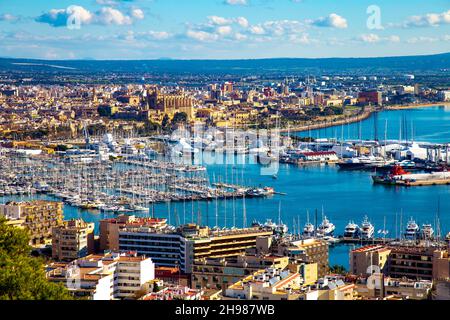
x,y
421,124
343,195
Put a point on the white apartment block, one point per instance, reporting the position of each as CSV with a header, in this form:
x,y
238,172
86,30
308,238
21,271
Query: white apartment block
x,y
105,277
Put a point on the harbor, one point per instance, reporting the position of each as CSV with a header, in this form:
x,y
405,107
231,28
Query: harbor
x,y
147,185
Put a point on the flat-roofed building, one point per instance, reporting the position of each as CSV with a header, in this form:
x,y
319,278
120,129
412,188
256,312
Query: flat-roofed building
x,y
369,259
73,240
268,284
38,217
170,247
370,97
220,273
105,277
412,262
378,286
415,262
109,229
305,251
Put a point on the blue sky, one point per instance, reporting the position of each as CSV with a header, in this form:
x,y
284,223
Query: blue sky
x,y
222,29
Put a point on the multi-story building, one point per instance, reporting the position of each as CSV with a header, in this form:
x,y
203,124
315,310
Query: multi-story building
x,y
109,229
179,247
105,277
73,240
412,262
305,251
369,259
370,97
220,273
417,262
380,287
172,276
38,217
269,284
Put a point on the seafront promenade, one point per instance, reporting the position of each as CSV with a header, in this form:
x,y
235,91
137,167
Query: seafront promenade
x,y
359,117
329,123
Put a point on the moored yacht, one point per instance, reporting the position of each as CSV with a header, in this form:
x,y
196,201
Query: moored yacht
x,y
427,231
367,229
309,230
326,228
351,230
412,231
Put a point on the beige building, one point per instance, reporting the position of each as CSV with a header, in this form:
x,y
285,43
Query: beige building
x,y
105,277
418,262
380,287
220,273
38,217
170,104
73,240
269,284
305,251
363,258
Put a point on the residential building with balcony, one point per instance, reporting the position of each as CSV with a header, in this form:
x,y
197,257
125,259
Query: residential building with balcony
x,y
73,240
38,217
105,277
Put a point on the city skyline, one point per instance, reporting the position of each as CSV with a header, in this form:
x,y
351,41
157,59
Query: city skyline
x,y
228,29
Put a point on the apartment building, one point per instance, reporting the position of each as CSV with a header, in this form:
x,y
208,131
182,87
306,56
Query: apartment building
x,y
220,273
180,247
109,229
305,251
269,284
379,286
362,259
73,240
38,217
105,277
418,262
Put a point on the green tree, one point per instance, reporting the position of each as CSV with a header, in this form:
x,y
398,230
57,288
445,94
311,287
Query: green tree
x,y
22,277
336,269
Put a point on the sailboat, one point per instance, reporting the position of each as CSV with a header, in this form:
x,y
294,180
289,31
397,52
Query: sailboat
x,y
309,228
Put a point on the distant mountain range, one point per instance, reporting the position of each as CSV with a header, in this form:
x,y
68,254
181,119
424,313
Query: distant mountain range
x,y
432,63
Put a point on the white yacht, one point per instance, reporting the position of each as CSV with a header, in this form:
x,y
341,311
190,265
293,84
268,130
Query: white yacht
x,y
309,230
326,228
367,229
351,230
412,230
270,225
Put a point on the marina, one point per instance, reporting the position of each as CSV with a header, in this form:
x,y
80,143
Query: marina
x,y
145,184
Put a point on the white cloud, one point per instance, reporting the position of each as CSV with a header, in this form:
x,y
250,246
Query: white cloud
x,y
220,21
82,16
224,30
243,22
331,21
8,17
201,35
374,38
427,20
158,35
137,13
257,30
